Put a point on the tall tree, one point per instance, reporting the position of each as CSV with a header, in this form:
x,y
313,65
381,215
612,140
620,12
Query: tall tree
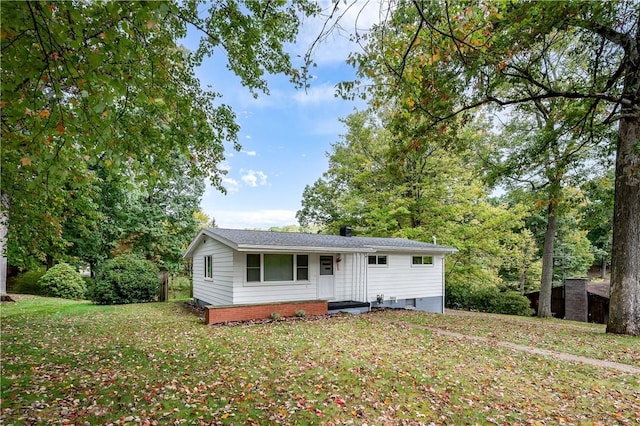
x,y
384,183
88,82
443,59
545,150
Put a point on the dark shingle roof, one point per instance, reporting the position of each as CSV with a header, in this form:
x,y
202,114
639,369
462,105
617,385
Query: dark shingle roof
x,y
601,289
248,238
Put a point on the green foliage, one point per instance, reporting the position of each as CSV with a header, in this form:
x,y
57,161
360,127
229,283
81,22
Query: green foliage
x,y
597,214
486,299
62,280
27,282
574,249
275,316
409,183
571,68
180,287
127,278
102,93
300,313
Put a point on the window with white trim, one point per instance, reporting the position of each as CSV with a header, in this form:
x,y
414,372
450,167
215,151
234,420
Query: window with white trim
x,y
302,267
422,260
272,267
377,260
208,266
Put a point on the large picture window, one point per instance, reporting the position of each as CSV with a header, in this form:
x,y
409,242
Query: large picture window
x,y
208,266
278,267
271,267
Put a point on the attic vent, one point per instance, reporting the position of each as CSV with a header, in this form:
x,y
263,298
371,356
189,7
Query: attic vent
x,y
345,231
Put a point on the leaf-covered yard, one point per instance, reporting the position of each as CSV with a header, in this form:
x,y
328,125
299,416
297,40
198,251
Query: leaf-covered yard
x,y
77,363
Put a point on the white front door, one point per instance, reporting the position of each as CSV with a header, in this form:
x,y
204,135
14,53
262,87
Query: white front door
x,y
326,283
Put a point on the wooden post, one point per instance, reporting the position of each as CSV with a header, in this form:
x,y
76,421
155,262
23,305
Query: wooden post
x,y
164,286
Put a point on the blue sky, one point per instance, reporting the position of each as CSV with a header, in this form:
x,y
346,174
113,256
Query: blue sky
x,y
284,135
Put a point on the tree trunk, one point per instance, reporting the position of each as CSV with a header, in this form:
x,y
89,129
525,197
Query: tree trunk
x,y
546,281
624,305
523,279
3,256
4,223
49,261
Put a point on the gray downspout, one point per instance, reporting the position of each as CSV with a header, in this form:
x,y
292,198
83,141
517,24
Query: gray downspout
x,y
443,293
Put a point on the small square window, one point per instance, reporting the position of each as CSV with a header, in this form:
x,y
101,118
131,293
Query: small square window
x,y
422,260
377,260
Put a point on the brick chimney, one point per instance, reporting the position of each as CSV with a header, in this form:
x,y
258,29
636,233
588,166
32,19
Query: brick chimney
x,y
345,231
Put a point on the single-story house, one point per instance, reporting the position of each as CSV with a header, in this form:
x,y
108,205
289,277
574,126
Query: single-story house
x,y
245,274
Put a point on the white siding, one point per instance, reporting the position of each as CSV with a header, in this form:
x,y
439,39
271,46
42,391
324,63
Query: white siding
x,y
218,291
252,293
351,277
401,280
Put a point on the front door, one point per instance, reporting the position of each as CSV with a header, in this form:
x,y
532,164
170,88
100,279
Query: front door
x,y
326,284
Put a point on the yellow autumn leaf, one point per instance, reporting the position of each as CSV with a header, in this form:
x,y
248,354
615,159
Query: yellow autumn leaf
x,y
44,113
25,161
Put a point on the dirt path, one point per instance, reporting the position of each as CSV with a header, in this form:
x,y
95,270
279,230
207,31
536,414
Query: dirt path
x,y
625,368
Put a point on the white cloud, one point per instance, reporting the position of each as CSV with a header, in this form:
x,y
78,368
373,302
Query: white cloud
x,y
249,153
260,219
322,93
354,17
224,165
254,178
230,184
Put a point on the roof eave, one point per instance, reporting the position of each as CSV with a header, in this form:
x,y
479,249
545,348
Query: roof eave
x,y
435,250
301,249
188,253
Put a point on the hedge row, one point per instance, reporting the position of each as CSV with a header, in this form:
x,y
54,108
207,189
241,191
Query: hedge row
x,y
487,299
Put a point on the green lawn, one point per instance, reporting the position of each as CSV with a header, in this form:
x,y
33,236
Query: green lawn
x,y
576,338
73,362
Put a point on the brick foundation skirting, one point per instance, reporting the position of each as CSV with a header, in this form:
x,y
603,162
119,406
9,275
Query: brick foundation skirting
x,y
219,314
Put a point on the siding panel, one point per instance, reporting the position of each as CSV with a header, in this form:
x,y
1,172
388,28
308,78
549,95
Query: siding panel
x,y
401,280
218,291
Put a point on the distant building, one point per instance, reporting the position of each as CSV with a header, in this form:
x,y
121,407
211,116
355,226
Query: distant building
x,y
577,300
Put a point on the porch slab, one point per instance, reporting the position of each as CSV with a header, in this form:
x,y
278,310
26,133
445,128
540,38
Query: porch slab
x,y
348,306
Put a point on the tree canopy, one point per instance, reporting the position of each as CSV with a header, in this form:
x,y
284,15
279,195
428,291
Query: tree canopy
x,y
441,60
383,185
89,86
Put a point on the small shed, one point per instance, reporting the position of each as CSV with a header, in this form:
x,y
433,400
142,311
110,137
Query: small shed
x,y
577,300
